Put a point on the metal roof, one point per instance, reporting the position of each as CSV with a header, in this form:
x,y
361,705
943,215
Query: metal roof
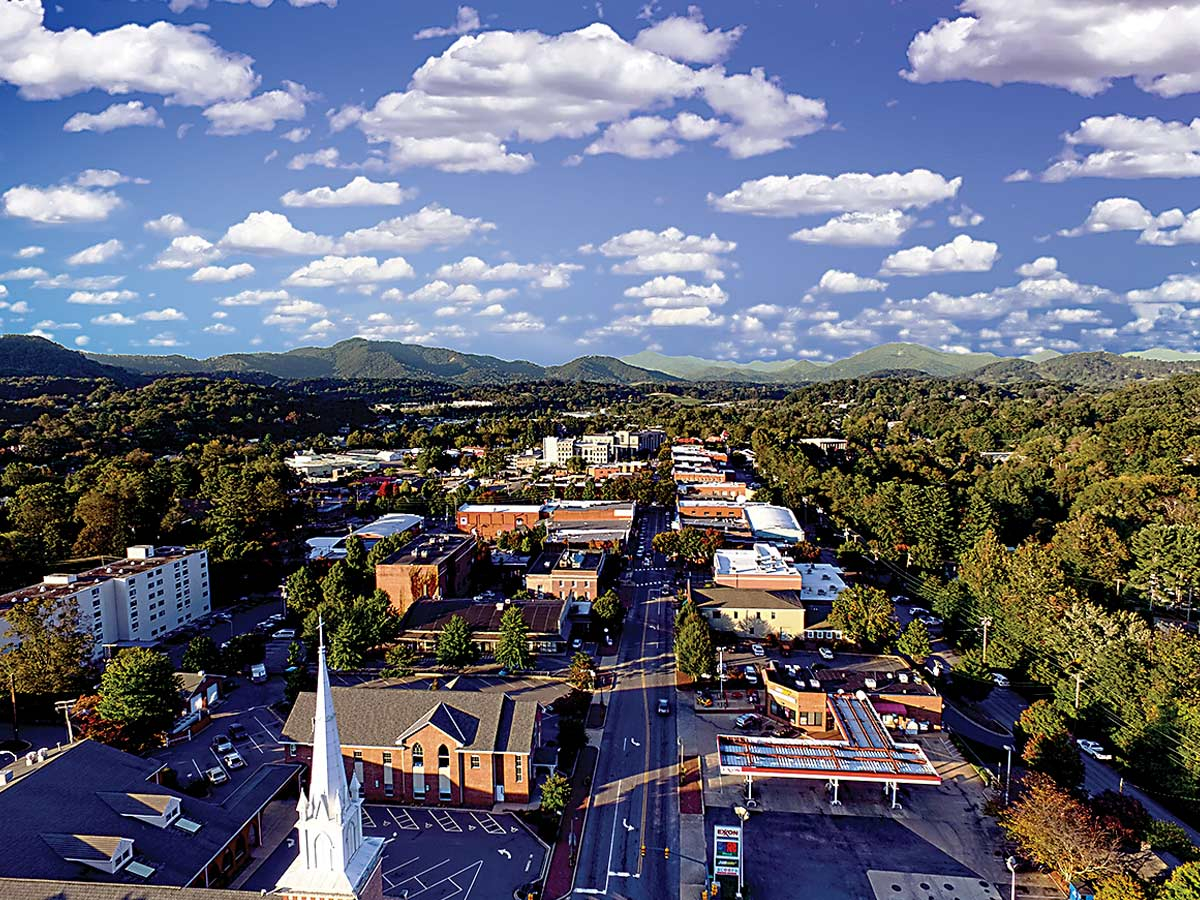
x,y
866,753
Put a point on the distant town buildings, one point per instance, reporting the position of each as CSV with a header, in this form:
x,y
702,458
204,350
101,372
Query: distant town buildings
x,y
324,467
567,573
130,602
577,522
601,449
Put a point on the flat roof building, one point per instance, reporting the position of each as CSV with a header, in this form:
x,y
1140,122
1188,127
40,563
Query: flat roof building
x,y
752,612
774,524
431,565
487,520
901,695
567,573
334,548
760,566
136,601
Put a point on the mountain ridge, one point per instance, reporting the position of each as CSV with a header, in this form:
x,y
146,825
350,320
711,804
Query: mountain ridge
x,y
358,358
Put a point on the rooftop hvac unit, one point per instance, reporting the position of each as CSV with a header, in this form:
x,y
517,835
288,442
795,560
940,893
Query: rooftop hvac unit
x,y
870,683
30,758
41,754
903,676
6,776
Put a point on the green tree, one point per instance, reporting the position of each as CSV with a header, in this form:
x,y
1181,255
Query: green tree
x,y
971,677
347,645
455,647
512,650
688,610
202,655
296,675
556,793
1040,719
385,547
356,555
1121,887
865,615
43,511
914,641
580,673
1056,756
608,611
340,586
46,653
399,662
303,591
1184,883
694,653
140,690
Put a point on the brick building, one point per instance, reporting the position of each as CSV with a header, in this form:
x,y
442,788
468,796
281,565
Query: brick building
x,y
423,748
903,699
487,520
567,573
432,565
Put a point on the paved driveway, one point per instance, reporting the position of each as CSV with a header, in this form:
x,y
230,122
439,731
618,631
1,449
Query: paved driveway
x,y
261,746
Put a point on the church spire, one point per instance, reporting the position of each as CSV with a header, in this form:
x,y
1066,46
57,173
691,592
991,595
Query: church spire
x,y
334,857
327,780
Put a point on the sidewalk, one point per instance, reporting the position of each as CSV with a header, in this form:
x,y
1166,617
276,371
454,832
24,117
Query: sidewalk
x,y
562,864
693,856
278,821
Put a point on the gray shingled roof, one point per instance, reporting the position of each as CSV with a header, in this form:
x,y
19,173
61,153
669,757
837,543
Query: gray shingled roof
x,y
379,716
721,597
72,793
36,889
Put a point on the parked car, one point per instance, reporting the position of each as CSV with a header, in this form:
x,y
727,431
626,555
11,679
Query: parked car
x,y
285,634
825,653
222,744
238,732
1094,749
758,650
703,700
664,707
1000,679
751,674
576,643
216,775
917,611
222,617
931,621
746,721
233,760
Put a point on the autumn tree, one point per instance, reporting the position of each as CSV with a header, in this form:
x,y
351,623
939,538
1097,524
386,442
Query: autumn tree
x,y
1059,832
556,793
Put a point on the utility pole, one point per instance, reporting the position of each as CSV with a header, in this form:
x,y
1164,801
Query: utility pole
x,y
65,707
1078,681
1008,748
986,622
1153,592
12,693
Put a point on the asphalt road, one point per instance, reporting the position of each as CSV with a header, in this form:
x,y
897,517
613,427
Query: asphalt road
x,y
634,789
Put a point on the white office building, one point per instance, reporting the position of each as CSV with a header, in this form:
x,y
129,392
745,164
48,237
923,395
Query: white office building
x,y
135,601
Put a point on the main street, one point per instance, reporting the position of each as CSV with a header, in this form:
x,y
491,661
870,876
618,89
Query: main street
x,y
634,789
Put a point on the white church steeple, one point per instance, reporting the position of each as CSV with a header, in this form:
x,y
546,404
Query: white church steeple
x,y
335,860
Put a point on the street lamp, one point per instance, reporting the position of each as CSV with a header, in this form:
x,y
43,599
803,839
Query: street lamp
x,y
1011,862
1008,749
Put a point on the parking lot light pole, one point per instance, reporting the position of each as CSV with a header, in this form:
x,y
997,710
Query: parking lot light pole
x,y
1011,862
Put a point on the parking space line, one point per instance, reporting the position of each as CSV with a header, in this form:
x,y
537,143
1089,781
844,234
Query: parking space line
x,y
487,823
367,816
408,823
417,877
265,728
449,825
449,879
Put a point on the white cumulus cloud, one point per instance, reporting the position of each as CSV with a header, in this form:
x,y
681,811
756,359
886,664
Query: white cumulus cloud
x,y
222,273
963,254
360,191
59,204
334,271
96,254
859,229
794,195
261,112
466,20
835,281
118,115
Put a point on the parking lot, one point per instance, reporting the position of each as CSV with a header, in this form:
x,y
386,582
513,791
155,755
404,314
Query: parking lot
x,y
439,854
248,707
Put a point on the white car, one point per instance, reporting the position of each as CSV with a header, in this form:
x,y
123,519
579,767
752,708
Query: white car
x,y
216,775
1093,749
751,674
931,621
234,760
285,634
915,611
758,650
1000,680
825,653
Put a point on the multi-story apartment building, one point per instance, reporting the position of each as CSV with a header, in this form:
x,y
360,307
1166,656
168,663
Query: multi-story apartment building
x,y
135,601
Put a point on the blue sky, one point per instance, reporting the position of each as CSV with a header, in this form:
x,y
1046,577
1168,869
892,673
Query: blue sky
x,y
547,179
